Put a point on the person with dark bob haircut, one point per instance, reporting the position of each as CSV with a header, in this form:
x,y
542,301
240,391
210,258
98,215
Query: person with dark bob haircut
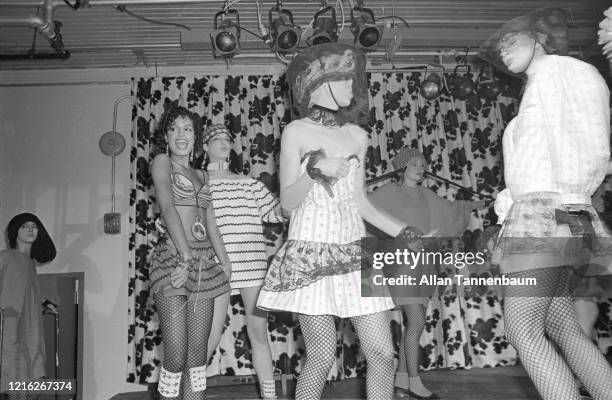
x,y
23,343
185,279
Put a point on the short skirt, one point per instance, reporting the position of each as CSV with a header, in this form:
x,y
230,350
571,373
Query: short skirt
x,y
206,278
317,278
532,237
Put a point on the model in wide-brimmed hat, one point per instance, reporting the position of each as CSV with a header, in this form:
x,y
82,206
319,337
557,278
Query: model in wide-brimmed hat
x,y
556,152
317,272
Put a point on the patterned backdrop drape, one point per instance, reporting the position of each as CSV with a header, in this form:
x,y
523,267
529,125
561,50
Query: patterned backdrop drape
x,y
460,139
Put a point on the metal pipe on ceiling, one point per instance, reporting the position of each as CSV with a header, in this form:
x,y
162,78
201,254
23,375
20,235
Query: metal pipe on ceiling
x,y
44,24
93,3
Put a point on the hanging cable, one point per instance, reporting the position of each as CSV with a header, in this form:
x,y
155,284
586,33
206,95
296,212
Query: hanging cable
x,y
149,20
394,17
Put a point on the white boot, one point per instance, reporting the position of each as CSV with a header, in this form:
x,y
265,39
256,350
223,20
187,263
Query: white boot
x,y
169,383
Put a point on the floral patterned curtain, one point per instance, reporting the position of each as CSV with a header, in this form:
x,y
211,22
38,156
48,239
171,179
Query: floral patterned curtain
x,y
460,139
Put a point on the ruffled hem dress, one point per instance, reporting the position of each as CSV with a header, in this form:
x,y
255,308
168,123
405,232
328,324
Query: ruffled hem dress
x,y
206,278
317,271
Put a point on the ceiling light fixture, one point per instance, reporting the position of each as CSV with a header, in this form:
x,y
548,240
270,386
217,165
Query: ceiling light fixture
x,y
363,26
226,35
285,35
325,26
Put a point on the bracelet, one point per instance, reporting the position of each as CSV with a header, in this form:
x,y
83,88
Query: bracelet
x,y
313,158
186,263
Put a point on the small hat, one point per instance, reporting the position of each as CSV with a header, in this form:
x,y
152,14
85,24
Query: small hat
x,y
214,131
403,157
330,62
547,26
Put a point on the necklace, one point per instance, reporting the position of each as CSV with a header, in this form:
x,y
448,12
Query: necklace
x,y
218,166
324,116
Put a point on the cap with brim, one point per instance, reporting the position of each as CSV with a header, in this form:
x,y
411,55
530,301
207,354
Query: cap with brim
x,y
403,157
547,26
325,63
214,131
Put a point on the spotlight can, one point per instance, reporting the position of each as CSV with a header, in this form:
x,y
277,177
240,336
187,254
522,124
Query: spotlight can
x,y
285,35
226,35
363,26
325,27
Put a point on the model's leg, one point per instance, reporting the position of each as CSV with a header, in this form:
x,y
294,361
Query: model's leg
x,y
407,376
218,322
199,320
526,311
257,327
172,314
320,340
583,357
374,334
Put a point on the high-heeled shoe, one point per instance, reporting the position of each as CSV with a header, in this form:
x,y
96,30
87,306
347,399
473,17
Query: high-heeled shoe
x,y
406,393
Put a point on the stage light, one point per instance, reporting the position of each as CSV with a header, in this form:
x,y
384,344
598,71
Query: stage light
x,y
433,84
285,35
363,26
488,87
226,35
325,27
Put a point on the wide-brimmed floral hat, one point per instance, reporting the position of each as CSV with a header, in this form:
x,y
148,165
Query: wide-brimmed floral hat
x,y
548,26
330,62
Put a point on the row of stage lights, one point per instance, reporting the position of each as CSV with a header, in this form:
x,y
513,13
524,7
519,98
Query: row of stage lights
x,y
284,36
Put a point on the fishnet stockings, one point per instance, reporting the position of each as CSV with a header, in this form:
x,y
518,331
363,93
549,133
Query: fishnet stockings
x,y
528,319
320,340
185,336
409,345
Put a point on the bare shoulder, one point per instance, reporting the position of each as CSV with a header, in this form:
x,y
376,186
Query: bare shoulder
x,y
160,164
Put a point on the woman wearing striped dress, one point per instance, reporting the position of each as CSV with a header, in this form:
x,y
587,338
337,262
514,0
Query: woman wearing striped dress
x,y
242,204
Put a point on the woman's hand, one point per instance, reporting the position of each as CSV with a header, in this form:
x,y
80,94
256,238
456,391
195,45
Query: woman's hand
x,y
412,236
333,167
227,268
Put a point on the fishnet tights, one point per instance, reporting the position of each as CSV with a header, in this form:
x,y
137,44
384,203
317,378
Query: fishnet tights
x,y
185,337
530,319
409,345
320,340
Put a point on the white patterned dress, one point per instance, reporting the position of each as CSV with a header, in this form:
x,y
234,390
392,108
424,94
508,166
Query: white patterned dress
x,y
317,271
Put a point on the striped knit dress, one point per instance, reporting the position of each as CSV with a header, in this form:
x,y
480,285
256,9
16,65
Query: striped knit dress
x,y
241,207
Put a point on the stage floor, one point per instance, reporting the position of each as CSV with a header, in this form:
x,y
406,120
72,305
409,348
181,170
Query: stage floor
x,y
501,383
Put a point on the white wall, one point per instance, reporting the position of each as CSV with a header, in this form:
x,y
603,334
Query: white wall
x,y
51,165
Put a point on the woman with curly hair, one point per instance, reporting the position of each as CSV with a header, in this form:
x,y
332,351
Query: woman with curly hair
x,y
185,279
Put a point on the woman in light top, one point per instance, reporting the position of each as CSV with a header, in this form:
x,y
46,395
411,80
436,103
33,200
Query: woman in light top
x,y
316,273
556,153
242,205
